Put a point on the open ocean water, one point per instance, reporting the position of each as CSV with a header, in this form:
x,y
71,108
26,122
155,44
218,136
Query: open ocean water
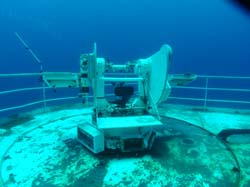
x,y
207,37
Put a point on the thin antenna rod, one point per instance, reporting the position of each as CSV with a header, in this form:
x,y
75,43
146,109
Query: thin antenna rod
x,y
39,62
28,48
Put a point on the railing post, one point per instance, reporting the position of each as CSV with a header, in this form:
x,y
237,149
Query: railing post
x,y
205,97
44,98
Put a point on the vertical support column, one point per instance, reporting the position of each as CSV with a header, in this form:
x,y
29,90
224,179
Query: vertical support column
x,y
100,101
142,68
206,92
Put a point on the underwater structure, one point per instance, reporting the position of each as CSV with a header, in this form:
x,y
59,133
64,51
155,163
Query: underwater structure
x,y
125,123
127,135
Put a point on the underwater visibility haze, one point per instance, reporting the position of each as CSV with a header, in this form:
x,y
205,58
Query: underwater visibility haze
x,y
210,37
177,113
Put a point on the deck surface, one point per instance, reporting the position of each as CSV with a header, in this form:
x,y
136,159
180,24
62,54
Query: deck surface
x,y
41,150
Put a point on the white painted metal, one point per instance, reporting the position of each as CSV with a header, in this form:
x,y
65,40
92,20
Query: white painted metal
x,y
158,84
127,122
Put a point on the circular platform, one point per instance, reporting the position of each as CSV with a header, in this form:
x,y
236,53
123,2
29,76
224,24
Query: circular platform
x,y
43,151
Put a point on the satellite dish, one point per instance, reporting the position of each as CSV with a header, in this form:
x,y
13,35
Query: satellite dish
x,y
159,88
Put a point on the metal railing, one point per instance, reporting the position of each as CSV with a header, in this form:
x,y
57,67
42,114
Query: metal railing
x,y
204,100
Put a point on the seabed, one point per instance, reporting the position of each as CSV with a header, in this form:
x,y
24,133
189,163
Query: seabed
x,y
40,149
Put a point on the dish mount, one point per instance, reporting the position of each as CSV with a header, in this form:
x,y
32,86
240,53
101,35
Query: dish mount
x,y
126,122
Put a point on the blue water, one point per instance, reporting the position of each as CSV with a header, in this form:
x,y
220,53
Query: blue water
x,y
207,37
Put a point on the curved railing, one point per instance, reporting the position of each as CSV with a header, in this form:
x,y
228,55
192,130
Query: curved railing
x,y
204,100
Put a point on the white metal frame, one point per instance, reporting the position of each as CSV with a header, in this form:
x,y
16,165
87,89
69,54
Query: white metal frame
x,y
205,99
